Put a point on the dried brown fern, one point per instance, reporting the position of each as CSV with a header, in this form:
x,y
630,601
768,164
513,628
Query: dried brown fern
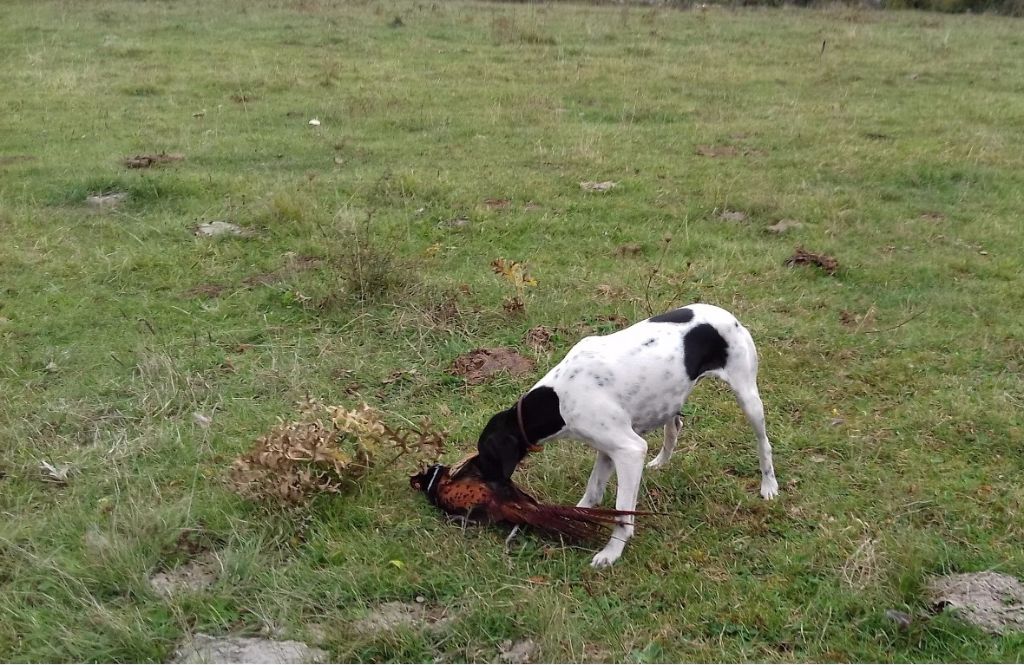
x,y
328,449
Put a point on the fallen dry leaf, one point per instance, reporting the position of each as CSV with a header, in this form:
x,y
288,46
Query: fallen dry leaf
x,y
802,257
146,161
592,186
629,249
853,320
54,474
479,365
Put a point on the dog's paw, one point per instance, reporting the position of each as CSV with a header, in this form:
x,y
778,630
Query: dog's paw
x,y
769,488
604,558
657,463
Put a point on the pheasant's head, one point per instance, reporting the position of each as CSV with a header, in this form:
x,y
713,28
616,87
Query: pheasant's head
x,y
426,481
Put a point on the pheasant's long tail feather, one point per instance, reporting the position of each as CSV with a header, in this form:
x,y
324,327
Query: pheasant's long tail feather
x,y
578,523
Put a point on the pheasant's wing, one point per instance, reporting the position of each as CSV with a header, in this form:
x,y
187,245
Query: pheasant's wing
x,y
464,495
463,466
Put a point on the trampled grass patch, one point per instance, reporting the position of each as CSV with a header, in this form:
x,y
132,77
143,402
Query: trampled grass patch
x,y
146,358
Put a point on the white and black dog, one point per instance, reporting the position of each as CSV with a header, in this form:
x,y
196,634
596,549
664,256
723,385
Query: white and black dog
x,y
611,389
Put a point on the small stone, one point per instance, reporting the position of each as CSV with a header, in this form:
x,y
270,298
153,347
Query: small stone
x,y
520,651
901,619
220,228
783,225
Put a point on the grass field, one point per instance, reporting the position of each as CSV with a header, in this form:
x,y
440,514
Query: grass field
x,y
893,388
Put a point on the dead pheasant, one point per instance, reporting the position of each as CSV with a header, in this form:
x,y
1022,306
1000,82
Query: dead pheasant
x,y
460,490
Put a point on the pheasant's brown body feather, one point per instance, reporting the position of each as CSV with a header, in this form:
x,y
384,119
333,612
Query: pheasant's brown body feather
x,y
460,490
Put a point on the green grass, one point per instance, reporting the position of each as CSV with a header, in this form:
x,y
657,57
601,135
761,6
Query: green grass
x,y
899,452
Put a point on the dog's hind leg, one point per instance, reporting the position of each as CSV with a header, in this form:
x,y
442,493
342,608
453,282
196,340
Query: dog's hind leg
x,y
672,428
742,378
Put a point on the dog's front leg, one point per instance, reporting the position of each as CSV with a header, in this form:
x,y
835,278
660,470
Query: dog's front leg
x,y
672,428
594,493
628,458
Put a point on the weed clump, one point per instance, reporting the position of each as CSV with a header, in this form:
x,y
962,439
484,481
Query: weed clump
x,y
328,449
369,272
517,276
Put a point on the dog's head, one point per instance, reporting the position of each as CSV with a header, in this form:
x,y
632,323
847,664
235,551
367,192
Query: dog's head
x,y
501,447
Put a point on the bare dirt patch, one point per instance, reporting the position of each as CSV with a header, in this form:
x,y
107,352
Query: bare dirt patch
x,y
204,291
991,601
157,159
202,648
858,321
396,614
480,365
195,575
724,150
539,338
6,160
802,257
717,151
